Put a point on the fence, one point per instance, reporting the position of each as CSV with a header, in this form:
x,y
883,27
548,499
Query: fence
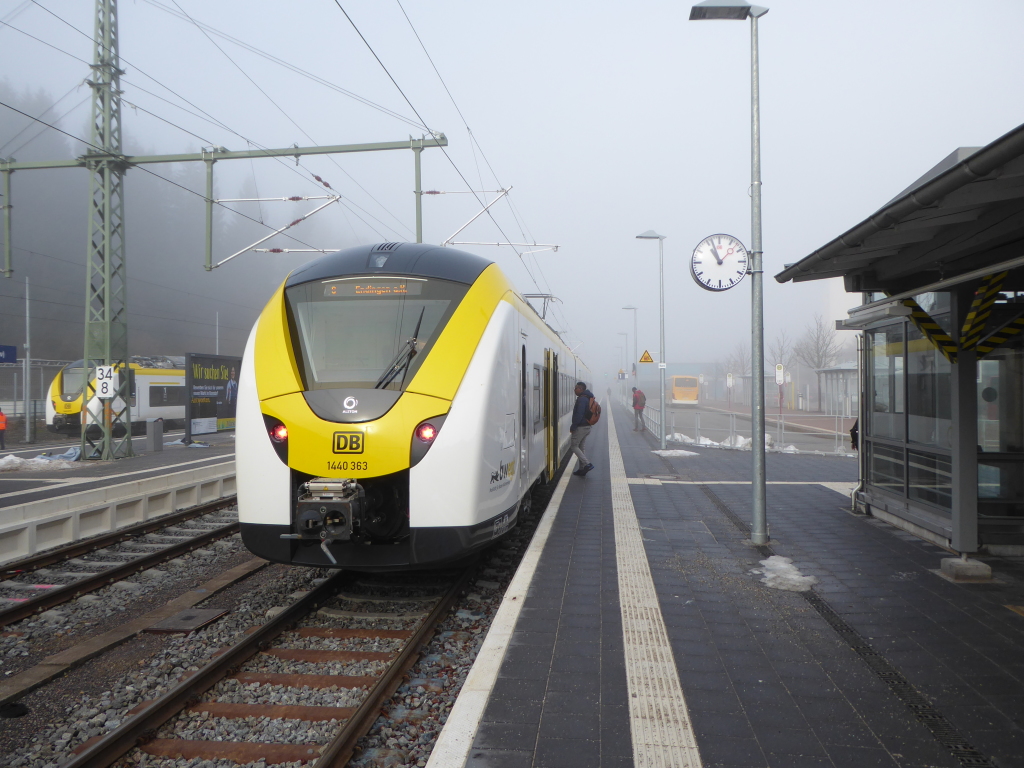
x,y
717,428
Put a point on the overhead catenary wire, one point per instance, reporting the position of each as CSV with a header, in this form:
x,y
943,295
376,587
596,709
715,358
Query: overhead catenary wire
x,y
269,97
420,117
42,114
210,118
473,141
151,173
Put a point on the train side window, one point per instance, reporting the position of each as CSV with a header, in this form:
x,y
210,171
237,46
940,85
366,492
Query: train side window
x,y
161,397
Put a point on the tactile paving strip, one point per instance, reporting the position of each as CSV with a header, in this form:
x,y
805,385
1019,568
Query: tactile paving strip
x,y
659,720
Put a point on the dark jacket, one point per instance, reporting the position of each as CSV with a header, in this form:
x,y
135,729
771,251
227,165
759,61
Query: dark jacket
x,y
581,411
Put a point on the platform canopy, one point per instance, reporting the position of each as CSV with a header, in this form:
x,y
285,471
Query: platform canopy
x,y
960,221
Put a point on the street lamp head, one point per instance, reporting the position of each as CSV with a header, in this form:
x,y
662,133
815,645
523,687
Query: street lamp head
x,y
732,10
650,234
629,307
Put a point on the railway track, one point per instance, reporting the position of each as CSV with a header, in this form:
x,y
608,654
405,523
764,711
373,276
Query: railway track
x,y
306,684
88,565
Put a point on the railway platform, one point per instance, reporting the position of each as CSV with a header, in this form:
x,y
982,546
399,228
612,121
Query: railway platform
x,y
639,629
24,486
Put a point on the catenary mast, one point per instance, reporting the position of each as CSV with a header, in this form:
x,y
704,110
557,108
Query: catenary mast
x,y
106,300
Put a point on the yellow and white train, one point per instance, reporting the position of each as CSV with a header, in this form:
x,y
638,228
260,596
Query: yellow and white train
x,y
156,384
396,404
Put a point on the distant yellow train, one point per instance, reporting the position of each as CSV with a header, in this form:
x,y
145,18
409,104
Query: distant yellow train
x,y
156,385
396,404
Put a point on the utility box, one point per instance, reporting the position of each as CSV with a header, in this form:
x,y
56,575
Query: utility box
x,y
154,435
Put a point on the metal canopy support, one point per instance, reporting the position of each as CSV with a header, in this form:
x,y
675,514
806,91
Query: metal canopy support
x,y
106,424
965,438
981,309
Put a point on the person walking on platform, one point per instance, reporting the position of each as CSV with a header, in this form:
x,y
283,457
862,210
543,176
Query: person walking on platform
x,y
580,427
3,429
639,402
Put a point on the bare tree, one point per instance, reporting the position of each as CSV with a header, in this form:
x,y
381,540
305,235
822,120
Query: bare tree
x,y
738,361
818,348
781,351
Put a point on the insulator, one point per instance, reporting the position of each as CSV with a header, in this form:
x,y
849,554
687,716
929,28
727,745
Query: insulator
x,y
294,222
295,198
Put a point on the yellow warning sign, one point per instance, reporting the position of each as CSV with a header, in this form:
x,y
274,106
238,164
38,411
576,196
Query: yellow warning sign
x,y
646,357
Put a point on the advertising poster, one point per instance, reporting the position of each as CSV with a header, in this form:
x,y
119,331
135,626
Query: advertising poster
x,y
211,382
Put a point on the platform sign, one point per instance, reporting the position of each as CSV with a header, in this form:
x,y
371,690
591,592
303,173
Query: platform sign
x,y
780,375
646,357
106,382
728,380
8,354
211,386
622,375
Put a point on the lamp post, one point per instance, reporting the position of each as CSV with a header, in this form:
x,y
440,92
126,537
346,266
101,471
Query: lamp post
x,y
740,10
650,234
636,349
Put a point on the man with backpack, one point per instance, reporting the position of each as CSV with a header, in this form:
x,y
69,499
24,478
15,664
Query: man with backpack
x,y
585,414
639,401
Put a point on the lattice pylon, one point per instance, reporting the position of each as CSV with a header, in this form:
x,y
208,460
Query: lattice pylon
x,y
106,424
981,309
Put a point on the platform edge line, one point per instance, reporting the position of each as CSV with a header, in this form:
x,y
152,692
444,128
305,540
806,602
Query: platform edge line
x,y
456,738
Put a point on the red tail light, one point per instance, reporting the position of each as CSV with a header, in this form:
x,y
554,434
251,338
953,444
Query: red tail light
x,y
279,433
426,432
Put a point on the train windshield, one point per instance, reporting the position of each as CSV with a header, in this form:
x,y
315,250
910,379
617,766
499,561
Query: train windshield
x,y
72,379
368,332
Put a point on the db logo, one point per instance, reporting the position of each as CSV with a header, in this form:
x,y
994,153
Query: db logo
x,y
350,403
348,442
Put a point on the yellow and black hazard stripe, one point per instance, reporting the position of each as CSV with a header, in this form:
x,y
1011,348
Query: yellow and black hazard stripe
x,y
981,309
932,330
1004,335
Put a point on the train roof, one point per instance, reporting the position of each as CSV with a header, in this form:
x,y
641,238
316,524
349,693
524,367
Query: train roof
x,y
417,259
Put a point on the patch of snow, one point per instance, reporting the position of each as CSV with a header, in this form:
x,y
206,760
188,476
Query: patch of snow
x,y
36,464
780,573
675,453
679,437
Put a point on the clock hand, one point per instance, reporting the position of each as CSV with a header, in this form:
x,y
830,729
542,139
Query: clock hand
x,y
714,251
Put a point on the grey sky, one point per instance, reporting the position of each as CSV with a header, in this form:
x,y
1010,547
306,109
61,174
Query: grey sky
x,y
608,119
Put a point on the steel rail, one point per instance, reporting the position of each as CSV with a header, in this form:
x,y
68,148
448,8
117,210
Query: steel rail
x,y
55,597
110,748
339,750
84,546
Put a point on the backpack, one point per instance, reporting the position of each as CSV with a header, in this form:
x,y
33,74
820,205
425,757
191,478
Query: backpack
x,y
641,399
594,411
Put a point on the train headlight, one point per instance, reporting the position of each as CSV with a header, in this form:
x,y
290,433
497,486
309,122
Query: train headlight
x,y
278,434
423,437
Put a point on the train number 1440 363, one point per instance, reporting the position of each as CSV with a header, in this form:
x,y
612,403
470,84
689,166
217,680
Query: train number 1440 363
x,y
342,466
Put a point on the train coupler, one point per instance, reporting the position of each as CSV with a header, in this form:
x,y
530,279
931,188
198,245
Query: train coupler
x,y
326,510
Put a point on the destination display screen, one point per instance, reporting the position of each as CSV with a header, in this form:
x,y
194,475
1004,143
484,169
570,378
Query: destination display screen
x,y
374,288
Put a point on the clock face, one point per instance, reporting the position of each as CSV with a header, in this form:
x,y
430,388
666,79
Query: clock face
x,y
719,262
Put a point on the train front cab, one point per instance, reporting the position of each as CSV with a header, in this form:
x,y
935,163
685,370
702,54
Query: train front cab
x,y
438,456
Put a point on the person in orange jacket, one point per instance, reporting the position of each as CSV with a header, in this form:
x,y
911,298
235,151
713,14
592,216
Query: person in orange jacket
x,y
3,429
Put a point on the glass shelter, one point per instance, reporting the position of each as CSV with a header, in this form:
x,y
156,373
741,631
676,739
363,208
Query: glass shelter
x,y
939,272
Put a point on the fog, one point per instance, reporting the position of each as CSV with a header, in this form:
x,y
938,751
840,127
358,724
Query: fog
x,y
605,119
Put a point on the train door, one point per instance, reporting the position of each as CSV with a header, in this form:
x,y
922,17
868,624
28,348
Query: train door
x,y
525,420
550,446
